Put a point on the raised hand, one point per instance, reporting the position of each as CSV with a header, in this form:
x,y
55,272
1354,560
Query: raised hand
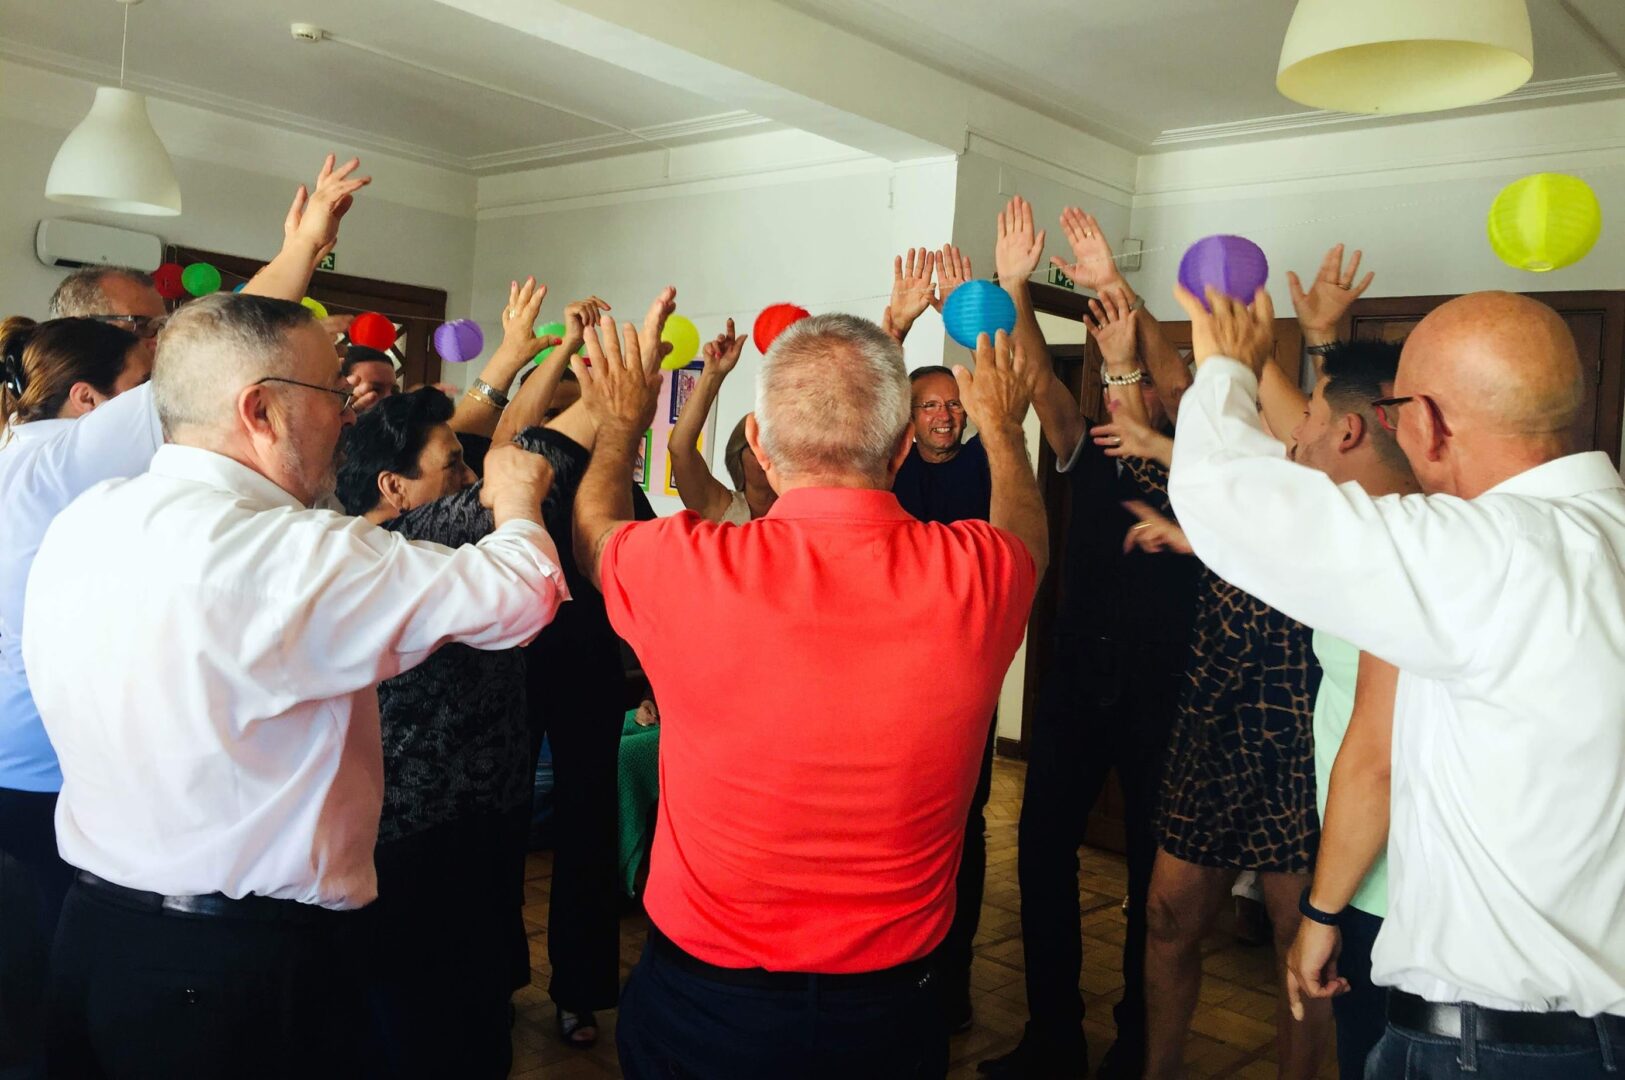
x,y
996,395
366,394
516,482
1328,297
654,321
953,270
1240,331
1311,965
1126,436
1019,247
1092,265
722,353
616,386
519,319
314,217
1115,327
911,288
1153,533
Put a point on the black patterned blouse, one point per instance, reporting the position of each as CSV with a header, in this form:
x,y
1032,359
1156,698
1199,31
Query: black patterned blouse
x,y
456,734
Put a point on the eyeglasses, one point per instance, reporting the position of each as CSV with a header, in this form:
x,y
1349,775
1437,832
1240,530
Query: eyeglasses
x,y
142,326
347,395
1382,405
932,408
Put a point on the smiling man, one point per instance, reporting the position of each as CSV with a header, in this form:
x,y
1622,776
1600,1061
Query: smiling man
x,y
943,479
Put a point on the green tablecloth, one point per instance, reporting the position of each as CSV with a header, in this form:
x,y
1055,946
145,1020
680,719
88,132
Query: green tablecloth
x,y
638,790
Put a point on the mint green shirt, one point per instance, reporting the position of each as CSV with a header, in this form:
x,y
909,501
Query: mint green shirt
x,y
1334,708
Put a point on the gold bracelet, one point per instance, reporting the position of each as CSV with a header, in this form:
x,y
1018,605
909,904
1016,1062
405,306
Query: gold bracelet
x,y
482,399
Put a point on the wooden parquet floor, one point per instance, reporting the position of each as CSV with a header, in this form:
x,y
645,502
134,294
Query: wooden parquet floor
x,y
1232,1036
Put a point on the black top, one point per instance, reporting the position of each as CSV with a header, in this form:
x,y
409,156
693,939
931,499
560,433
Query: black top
x,y
959,489
1106,594
455,728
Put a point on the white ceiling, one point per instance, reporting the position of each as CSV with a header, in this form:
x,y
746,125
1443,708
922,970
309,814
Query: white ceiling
x,y
1137,73
422,100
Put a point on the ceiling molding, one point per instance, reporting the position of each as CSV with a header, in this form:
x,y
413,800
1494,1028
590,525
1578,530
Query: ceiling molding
x,y
1267,126
80,68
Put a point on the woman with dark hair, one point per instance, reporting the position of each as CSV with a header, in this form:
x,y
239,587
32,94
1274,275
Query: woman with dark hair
x,y
751,496
51,374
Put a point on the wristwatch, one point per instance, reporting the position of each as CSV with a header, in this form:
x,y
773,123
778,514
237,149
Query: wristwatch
x,y
492,394
1322,350
1312,913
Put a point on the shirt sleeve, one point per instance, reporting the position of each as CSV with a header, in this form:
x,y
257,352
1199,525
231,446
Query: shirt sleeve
x,y
116,440
1414,580
368,604
635,572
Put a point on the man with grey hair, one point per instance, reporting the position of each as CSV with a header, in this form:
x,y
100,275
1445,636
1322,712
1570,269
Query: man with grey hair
x,y
222,773
120,295
822,722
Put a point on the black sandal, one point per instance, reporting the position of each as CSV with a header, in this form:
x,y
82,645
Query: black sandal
x,y
575,1026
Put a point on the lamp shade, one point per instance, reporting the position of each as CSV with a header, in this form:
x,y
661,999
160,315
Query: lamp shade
x,y
1404,56
114,160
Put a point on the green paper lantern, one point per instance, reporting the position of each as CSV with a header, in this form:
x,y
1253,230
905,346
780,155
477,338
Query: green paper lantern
x,y
200,279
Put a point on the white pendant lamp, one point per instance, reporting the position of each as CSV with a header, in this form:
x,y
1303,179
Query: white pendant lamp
x,y
114,160
1404,56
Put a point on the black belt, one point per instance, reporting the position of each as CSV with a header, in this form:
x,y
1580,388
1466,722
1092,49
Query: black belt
x,y
917,972
210,905
1502,1026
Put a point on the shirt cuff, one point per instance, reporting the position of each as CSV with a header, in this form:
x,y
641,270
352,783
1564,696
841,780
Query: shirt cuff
x,y
544,542
1221,366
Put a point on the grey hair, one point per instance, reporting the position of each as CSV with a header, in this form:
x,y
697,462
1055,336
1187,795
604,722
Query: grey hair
x,y
80,293
832,398
212,348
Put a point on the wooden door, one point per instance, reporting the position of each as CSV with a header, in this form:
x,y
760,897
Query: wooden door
x,y
414,310
1597,320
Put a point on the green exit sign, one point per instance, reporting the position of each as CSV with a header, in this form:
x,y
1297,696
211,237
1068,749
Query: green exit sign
x,y
329,261
1058,278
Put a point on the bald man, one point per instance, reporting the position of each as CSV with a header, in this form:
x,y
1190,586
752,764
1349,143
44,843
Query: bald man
x,y
1500,594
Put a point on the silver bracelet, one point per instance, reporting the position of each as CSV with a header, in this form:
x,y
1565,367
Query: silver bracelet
x,y
497,397
1108,379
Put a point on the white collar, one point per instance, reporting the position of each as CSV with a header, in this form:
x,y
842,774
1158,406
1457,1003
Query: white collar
x,y
1572,474
218,471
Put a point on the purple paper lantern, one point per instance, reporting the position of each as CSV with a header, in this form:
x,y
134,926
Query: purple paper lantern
x,y
458,341
1232,264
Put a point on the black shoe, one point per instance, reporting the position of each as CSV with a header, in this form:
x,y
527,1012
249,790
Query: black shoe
x,y
1122,1062
1028,1062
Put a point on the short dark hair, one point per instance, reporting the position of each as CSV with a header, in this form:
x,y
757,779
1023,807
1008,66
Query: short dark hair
x,y
930,369
387,438
1358,373
363,354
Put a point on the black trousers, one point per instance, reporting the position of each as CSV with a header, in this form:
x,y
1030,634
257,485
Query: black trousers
x,y
1361,1014
1102,708
675,1023
33,882
449,949
955,950
576,691
138,992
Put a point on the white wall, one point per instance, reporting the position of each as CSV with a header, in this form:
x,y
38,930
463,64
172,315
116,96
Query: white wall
x,y
819,233
414,224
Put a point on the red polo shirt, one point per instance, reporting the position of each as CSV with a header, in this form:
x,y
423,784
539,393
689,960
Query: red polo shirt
x,y
825,677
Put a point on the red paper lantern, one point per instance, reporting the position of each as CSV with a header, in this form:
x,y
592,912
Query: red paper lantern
x,y
167,280
773,321
372,330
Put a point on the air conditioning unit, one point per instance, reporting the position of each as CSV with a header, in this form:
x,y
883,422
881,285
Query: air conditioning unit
x,y
59,242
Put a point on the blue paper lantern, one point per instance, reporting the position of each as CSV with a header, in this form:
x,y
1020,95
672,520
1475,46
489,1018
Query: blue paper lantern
x,y
1233,265
458,341
978,307
240,286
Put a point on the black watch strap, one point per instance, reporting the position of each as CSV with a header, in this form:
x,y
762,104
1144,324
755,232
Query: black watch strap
x,y
1312,913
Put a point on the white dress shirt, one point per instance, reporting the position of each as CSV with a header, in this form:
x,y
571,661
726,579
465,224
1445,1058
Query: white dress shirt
x,y
1506,616
204,651
44,465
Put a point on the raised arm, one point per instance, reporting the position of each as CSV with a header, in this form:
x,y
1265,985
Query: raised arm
x,y
1354,834
529,406
995,396
700,491
309,231
481,406
911,291
620,387
1016,253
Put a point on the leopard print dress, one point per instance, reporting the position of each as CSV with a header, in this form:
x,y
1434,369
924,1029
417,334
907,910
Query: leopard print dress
x,y
1238,790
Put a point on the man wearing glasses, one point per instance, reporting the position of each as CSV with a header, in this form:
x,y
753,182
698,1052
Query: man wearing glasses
x,y
115,294
1500,597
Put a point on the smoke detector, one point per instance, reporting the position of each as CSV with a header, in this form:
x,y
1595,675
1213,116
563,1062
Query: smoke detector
x,y
304,31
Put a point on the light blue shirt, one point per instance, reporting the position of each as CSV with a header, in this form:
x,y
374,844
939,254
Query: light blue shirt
x,y
45,465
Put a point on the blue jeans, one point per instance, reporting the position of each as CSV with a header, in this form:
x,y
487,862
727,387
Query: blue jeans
x,y
675,1024
1408,1055
1360,1014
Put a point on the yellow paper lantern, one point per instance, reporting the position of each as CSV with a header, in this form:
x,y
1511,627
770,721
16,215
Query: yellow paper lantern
x,y
1544,221
316,307
684,339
